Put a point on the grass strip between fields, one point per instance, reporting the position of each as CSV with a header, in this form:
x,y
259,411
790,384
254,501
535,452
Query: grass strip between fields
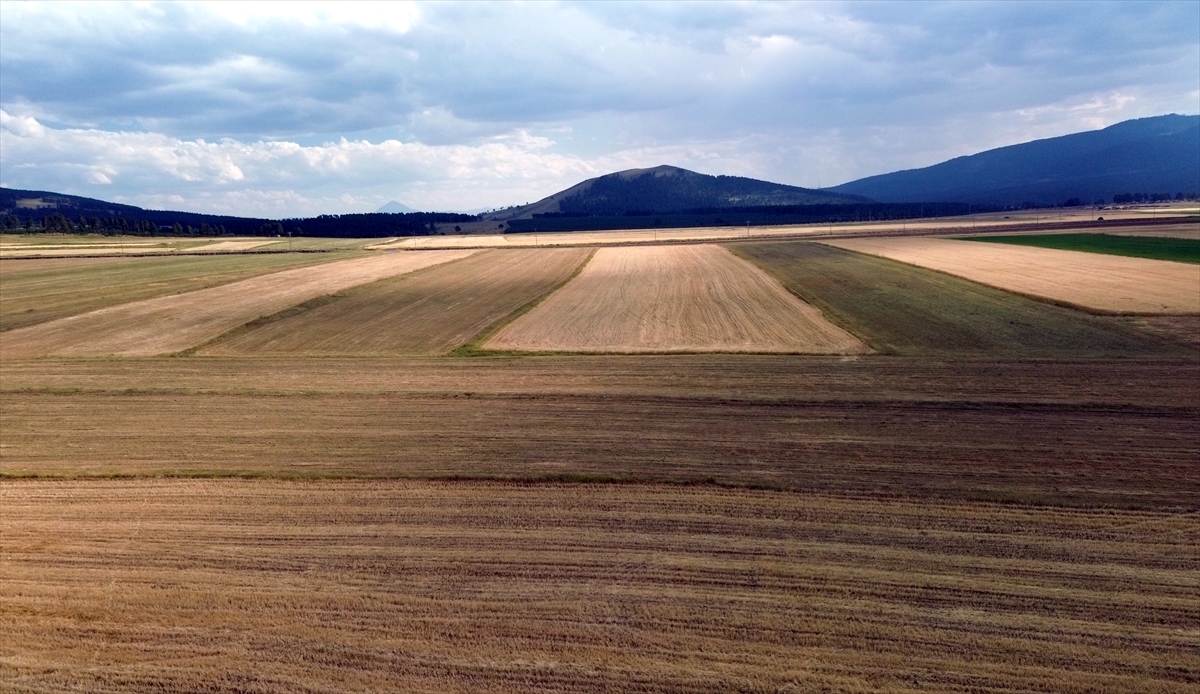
x,y
1153,247
474,347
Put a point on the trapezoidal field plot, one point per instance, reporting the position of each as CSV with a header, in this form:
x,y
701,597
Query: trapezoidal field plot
x,y
1092,281
674,299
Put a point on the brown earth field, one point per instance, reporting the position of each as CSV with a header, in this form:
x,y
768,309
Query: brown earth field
x,y
174,323
364,586
431,311
697,298
1091,433
1104,283
40,290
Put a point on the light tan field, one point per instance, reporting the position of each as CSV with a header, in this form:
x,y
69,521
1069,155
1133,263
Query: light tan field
x,y
233,245
1093,281
674,299
173,323
80,249
427,312
368,586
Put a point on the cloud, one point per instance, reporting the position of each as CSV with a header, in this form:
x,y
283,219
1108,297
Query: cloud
x,y
290,102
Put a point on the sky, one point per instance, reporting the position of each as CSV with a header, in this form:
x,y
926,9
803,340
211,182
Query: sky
x,y
291,109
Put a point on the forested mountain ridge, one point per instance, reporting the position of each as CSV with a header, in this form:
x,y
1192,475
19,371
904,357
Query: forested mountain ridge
x,y
43,211
668,189
1150,157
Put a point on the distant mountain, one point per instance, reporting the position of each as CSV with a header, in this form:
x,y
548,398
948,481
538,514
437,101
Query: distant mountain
x,y
669,189
1147,155
394,207
41,211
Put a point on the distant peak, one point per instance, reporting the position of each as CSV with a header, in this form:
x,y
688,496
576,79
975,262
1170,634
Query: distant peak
x,y
394,207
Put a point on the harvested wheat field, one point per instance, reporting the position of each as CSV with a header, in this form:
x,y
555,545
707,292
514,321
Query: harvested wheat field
x,y
674,299
356,586
427,312
173,323
1105,283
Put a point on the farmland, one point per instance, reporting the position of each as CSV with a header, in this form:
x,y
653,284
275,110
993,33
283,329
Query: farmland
x,y
36,291
319,491
427,312
673,299
174,323
1156,247
272,586
902,309
1103,283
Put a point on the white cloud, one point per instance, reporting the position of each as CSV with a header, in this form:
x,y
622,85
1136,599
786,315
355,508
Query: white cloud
x,y
278,106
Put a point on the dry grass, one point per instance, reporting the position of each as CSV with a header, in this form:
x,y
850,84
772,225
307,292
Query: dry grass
x,y
173,323
674,299
428,312
267,586
36,291
1106,283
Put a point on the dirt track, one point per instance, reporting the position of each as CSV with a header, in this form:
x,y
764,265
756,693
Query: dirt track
x,y
674,299
1106,283
174,323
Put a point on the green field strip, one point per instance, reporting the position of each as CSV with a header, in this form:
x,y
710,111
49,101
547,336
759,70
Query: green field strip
x,y
901,309
1153,247
428,312
36,291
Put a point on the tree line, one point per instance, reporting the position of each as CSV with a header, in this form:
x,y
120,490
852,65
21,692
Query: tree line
x,y
371,225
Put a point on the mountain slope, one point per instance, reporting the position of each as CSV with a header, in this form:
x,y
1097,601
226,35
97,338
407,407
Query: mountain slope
x,y
1148,155
669,189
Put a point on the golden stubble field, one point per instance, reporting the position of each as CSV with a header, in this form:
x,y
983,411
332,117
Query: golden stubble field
x,y
698,298
358,586
174,323
1108,283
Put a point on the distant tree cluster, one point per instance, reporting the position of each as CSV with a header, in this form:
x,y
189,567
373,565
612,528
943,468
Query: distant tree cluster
x,y
1126,198
374,225
62,224
339,226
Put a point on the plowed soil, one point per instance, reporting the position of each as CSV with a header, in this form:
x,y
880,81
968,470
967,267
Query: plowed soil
x,y
1105,283
1089,433
674,299
174,323
427,312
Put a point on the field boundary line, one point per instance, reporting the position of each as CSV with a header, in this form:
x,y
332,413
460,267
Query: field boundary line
x,y
1044,299
474,347
303,307
826,311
